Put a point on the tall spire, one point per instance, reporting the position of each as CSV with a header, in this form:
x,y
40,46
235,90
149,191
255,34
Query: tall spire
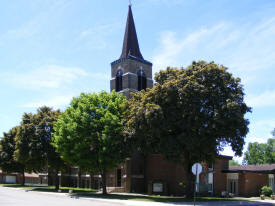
x,y
130,43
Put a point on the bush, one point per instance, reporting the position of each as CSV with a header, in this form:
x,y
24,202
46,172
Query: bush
x,y
267,191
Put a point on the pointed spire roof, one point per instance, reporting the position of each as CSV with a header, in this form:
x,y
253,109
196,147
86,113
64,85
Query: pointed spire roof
x,y
130,43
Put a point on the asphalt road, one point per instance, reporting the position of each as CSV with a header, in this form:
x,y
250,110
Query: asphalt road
x,y
15,197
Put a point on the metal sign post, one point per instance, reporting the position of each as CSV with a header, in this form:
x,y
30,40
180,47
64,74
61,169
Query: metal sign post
x,y
196,170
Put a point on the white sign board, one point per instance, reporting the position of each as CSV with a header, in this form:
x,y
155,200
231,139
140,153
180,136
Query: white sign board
x,y
157,187
196,168
10,179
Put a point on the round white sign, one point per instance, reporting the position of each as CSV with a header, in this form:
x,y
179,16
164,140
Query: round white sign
x,y
196,168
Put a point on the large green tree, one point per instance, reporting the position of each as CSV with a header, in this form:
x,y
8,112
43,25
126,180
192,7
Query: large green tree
x,y
23,143
190,114
7,148
255,153
269,155
260,153
89,134
33,146
43,150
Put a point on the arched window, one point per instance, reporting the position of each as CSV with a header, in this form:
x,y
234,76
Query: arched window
x,y
119,80
142,80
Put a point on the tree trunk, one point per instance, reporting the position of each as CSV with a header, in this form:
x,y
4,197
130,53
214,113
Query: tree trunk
x,y
23,177
79,178
189,190
189,184
145,174
91,181
50,178
56,180
103,176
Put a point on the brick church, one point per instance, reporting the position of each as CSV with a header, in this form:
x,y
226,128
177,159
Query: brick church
x,y
151,174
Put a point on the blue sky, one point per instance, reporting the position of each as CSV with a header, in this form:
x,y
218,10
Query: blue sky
x,y
51,50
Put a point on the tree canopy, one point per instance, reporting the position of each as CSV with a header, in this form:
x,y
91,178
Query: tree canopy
x,y
233,163
89,134
260,153
33,146
7,147
190,114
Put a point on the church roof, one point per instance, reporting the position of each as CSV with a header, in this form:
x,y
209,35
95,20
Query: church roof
x,y
130,43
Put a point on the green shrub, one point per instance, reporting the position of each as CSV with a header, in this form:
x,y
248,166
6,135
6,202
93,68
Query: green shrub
x,y
267,191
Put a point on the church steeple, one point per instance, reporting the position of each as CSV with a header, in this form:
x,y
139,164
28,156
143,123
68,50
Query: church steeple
x,y
130,73
130,43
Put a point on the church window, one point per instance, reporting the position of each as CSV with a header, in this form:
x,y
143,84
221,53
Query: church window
x,y
119,80
142,80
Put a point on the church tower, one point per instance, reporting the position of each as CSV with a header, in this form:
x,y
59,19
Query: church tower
x,y
131,73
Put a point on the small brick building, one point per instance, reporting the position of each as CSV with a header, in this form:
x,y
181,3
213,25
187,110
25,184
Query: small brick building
x,y
16,178
247,180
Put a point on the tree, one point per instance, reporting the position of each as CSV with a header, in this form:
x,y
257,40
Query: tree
x,y
255,154
7,147
190,114
22,144
89,133
269,155
233,163
33,142
260,153
43,150
273,133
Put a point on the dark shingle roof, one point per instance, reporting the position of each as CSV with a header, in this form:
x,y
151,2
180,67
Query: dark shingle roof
x,y
261,168
130,43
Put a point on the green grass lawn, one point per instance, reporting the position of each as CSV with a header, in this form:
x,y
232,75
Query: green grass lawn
x,y
156,198
46,188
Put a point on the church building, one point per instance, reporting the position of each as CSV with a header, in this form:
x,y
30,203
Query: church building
x,y
151,174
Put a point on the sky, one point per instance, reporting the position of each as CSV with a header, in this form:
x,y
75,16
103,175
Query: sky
x,y
52,50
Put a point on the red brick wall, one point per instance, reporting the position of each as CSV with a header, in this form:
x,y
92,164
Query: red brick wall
x,y
157,169
220,179
172,174
252,183
140,174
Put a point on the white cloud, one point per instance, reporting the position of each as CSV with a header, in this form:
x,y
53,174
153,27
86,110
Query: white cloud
x,y
264,99
173,48
95,36
259,140
49,9
55,102
51,76
26,30
247,47
261,129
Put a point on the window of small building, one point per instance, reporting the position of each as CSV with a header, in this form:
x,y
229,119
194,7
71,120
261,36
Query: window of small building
x,y
142,80
119,80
